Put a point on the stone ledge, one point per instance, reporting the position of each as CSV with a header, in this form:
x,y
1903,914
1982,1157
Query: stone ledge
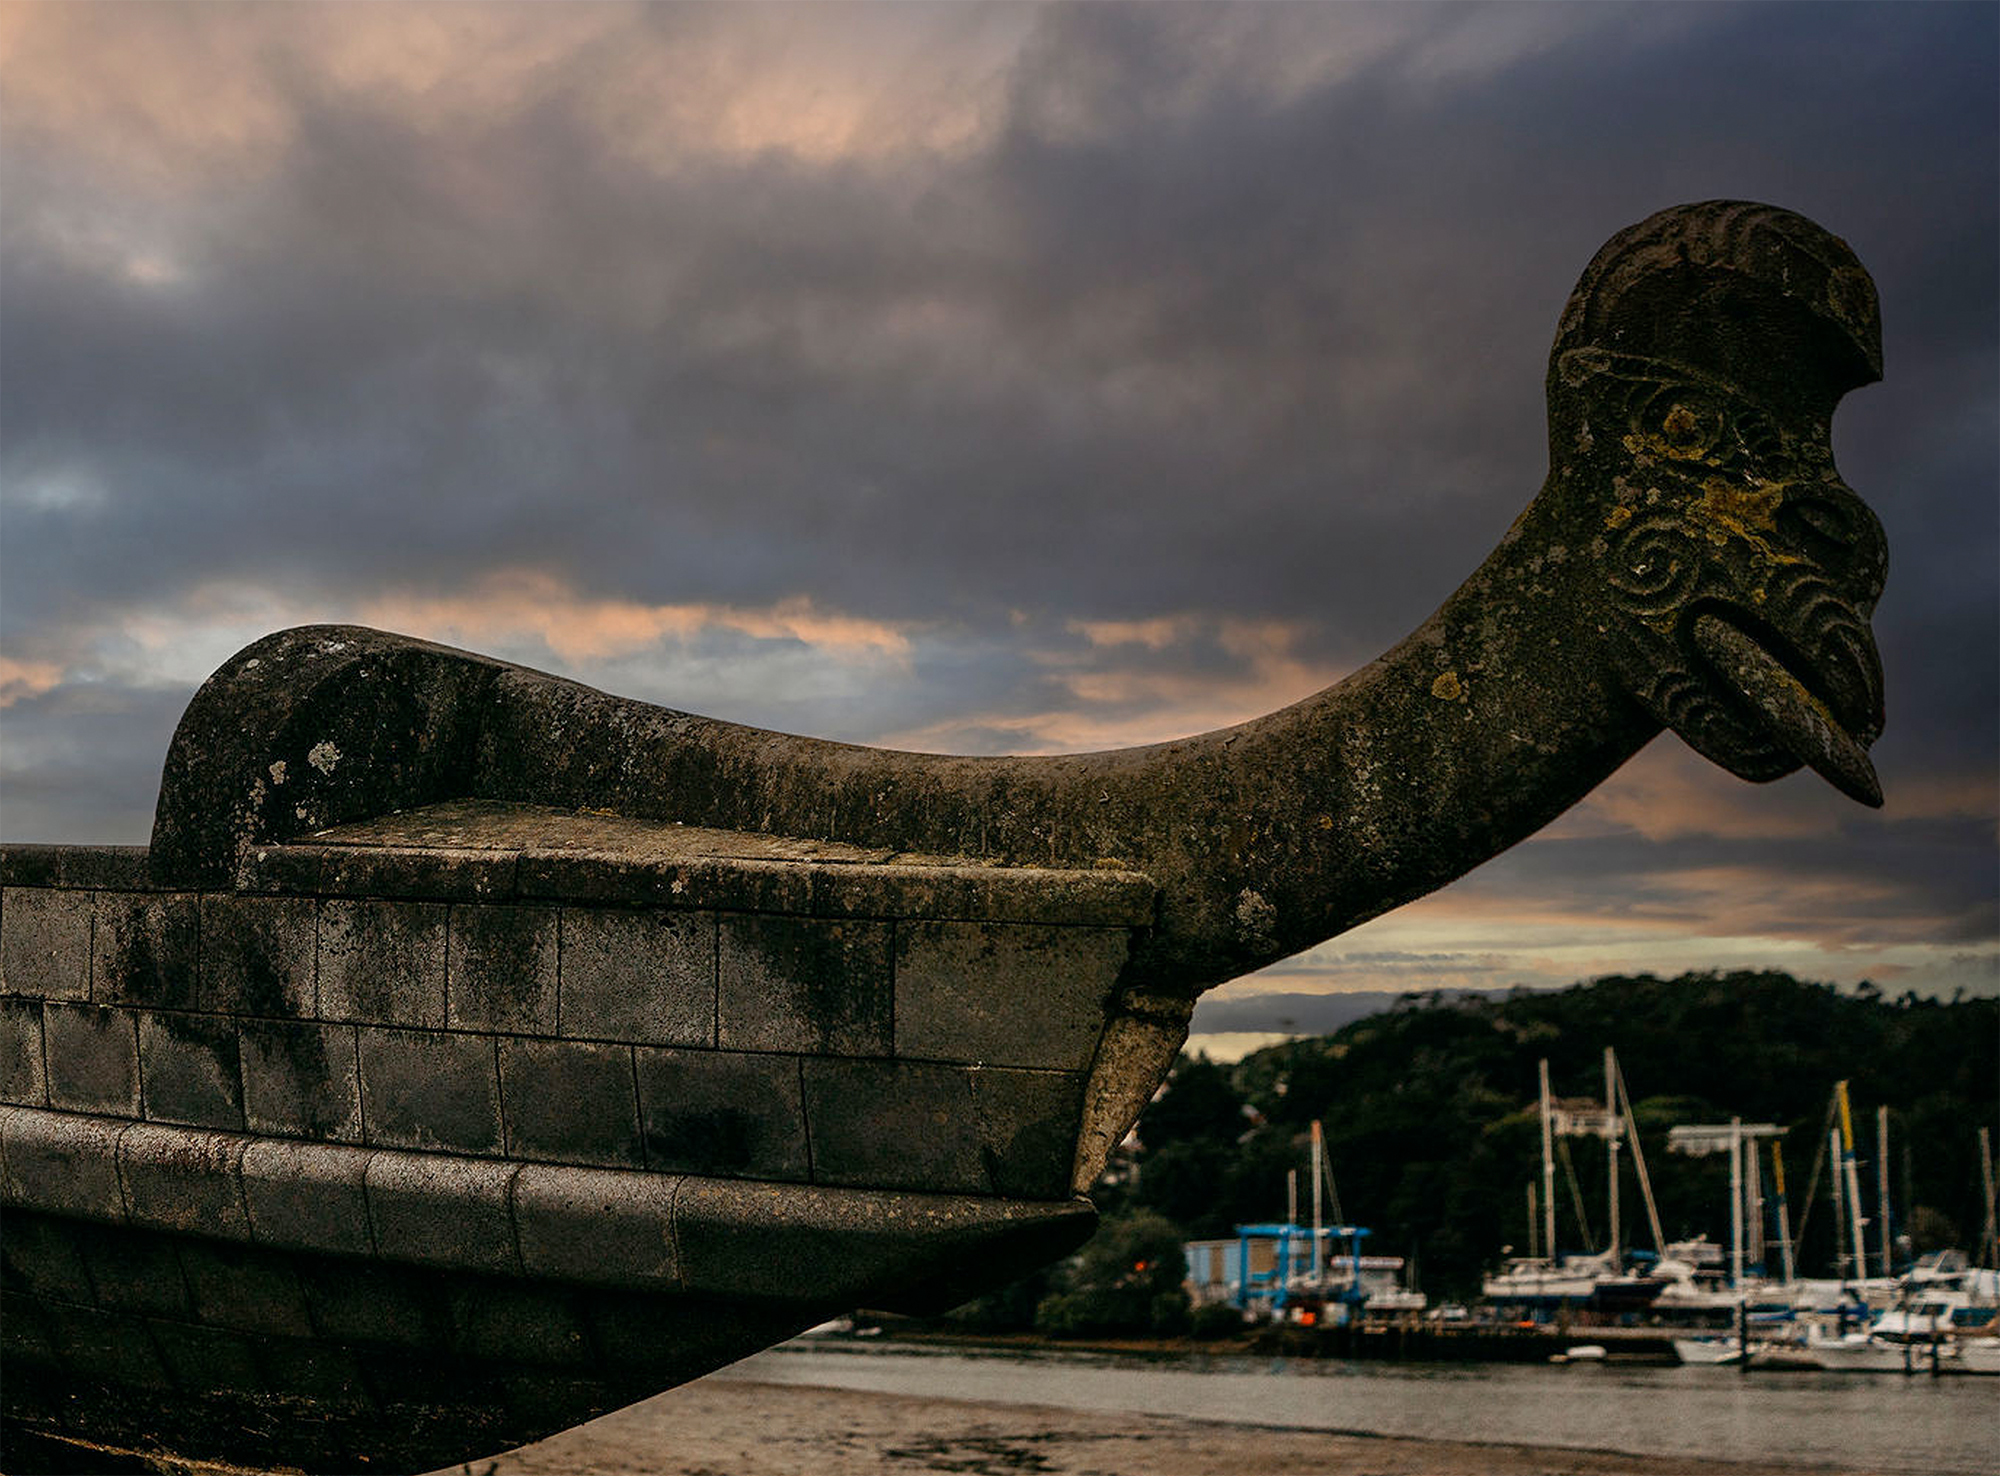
x,y
613,1228
77,868
703,869
490,851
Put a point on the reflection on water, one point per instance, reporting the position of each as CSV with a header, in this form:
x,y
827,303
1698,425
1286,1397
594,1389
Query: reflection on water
x,y
1885,1422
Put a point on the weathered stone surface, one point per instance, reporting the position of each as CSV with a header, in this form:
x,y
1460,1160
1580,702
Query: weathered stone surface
x,y
442,1211
244,1287
843,1247
502,969
376,1304
446,873
1008,995
183,1181
301,1079
1010,894
281,869
517,1322
421,1089
30,865
257,955
133,1273
112,868
202,1357
144,949
188,1069
42,1259
61,1164
925,1125
45,942
647,977
571,1101
307,1196
894,1125
21,1076
119,1349
382,962
723,1112
579,1225
1027,1129
93,1058
802,984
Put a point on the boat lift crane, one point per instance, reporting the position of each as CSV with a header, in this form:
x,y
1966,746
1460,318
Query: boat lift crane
x,y
1699,1139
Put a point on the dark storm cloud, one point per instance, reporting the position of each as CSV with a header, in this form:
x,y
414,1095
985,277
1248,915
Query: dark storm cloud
x,y
1080,314
417,350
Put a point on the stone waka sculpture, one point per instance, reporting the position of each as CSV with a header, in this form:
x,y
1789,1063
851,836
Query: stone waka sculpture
x,y
472,1052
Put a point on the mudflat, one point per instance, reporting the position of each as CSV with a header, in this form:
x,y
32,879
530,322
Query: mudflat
x,y
736,1427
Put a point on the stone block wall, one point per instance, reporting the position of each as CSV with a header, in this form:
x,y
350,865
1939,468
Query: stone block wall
x,y
914,1028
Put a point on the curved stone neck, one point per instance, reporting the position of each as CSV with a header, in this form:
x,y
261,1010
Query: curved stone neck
x,y
1487,722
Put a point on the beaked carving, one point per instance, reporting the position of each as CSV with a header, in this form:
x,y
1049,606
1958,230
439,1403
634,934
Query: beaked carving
x,y
1743,567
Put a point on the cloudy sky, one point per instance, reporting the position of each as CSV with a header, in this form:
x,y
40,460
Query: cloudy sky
x,y
987,379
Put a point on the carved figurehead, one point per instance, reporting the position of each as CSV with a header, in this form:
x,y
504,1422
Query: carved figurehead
x,y
1692,562
1691,393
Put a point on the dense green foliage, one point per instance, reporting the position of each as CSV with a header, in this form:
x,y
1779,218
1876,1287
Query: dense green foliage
x,y
1432,1132
1127,1279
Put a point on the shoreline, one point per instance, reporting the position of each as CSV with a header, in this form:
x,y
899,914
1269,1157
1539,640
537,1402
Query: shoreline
x,y
732,1425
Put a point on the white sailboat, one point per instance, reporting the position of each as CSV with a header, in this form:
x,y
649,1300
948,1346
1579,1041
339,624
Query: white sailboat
x,y
1600,1277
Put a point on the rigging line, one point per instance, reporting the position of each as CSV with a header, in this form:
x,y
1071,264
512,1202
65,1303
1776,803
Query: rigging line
x,y
1812,1180
1575,1192
1639,1157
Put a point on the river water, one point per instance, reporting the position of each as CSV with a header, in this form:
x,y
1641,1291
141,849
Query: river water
x,y
1918,1424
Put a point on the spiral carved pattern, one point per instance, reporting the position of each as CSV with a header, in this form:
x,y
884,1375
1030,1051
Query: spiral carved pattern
x,y
1652,567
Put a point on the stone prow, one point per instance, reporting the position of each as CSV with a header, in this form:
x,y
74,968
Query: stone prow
x,y
1691,490
1264,838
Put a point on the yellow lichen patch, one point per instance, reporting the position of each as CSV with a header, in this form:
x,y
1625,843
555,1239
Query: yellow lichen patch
x,y
1326,822
1744,509
1448,688
1685,434
1618,517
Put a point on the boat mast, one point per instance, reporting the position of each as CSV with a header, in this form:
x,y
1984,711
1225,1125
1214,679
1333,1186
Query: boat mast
x,y
1882,1180
1639,1163
1611,1126
1784,1215
1534,1225
1991,1238
1853,1175
1736,1202
1753,1208
1548,1164
1839,1200
1318,1153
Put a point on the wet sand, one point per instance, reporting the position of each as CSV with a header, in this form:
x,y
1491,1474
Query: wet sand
x,y
736,1427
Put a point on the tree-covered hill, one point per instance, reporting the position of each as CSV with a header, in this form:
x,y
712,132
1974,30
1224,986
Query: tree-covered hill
x,y
1432,1132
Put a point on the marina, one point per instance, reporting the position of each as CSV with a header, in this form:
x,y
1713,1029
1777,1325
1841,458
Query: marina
x,y
1824,1420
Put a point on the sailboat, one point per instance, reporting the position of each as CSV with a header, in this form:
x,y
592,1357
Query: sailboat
x,y
1599,1279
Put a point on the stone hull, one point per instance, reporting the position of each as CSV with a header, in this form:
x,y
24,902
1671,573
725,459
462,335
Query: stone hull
x,y
443,1133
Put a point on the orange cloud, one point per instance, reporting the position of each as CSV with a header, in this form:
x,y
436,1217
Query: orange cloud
x,y
1155,635
20,680
518,603
165,94
1118,707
